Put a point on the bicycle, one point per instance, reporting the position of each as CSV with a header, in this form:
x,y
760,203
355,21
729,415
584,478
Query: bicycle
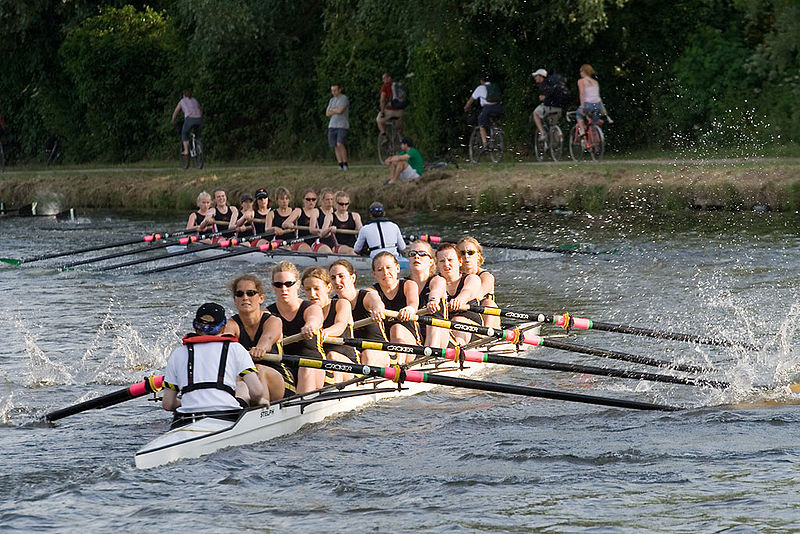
x,y
553,140
389,143
195,154
495,145
592,143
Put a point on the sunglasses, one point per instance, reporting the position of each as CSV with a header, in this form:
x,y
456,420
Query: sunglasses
x,y
310,199
249,293
468,252
420,253
343,203
287,284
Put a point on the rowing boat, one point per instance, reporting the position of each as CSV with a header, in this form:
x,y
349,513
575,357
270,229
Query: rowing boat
x,y
207,435
300,259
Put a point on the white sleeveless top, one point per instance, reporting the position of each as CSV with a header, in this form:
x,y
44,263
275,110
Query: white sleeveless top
x,y
591,94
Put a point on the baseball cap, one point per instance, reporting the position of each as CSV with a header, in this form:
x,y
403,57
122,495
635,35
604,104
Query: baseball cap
x,y
376,207
262,193
210,318
246,196
540,72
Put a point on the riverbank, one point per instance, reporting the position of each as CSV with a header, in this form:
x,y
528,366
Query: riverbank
x,y
657,185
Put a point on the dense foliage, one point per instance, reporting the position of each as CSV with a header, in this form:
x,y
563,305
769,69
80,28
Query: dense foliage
x,y
689,74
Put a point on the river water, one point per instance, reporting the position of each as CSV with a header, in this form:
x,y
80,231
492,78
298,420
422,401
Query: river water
x,y
448,460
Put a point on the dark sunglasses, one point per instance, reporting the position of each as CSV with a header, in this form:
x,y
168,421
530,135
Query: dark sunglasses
x,y
468,252
311,199
343,203
249,293
421,253
286,284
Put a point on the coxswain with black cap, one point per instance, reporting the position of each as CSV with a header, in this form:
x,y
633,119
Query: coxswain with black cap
x,y
379,234
204,370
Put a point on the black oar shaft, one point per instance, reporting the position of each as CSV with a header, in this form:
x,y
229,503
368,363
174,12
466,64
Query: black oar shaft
x,y
513,246
148,385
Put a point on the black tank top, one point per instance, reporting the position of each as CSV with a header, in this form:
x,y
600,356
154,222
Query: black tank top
x,y
244,338
372,330
219,216
349,224
260,227
198,218
330,240
399,300
303,220
278,219
425,293
305,347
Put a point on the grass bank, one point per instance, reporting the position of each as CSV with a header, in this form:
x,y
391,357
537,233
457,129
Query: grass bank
x,y
654,185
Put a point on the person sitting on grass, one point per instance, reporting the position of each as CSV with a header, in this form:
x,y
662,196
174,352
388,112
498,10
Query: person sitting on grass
x,y
407,165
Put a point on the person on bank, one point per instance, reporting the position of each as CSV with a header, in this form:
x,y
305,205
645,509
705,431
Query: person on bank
x,y
387,110
379,234
192,117
339,112
204,370
406,165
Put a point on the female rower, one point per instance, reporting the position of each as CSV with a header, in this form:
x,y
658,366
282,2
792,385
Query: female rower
x,y
281,217
250,325
364,304
342,219
302,217
243,224
338,321
472,263
298,317
458,290
326,242
400,295
196,217
422,267
221,216
261,216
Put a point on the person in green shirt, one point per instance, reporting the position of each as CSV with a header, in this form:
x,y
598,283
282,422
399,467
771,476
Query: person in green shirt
x,y
407,165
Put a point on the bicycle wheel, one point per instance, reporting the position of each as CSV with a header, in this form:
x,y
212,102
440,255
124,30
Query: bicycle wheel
x,y
598,142
577,145
199,156
497,145
475,145
539,145
385,145
556,143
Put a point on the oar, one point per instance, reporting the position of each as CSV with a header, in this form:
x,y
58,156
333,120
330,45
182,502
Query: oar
x,y
491,357
569,321
187,250
147,239
148,385
515,336
401,375
338,230
563,249
151,246
272,245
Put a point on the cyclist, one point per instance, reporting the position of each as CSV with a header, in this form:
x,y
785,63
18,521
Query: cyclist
x,y
589,92
488,96
548,89
192,117
387,111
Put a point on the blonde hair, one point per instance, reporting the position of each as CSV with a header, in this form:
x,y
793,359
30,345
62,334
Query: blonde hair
x,y
587,70
429,249
284,267
201,196
472,240
233,284
282,192
325,191
320,273
340,194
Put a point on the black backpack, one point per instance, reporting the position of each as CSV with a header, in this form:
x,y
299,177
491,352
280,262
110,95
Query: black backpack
x,y
561,95
399,96
493,95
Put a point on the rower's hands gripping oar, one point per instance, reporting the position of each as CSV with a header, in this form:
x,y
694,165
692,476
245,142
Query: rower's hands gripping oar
x,y
569,321
151,384
399,374
147,239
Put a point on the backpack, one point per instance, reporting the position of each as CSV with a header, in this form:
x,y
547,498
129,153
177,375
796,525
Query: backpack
x,y
399,96
560,95
493,95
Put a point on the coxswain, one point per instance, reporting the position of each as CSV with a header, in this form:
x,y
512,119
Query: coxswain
x,y
196,217
342,219
379,234
453,290
472,263
204,371
250,324
337,321
298,317
400,295
364,304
